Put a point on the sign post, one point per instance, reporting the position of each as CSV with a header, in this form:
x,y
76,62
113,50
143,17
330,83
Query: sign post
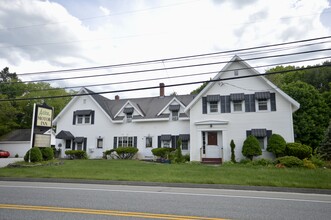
x,y
41,122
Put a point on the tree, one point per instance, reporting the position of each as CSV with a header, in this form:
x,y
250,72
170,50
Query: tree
x,y
198,90
251,147
179,156
233,156
7,114
6,76
325,148
276,145
311,120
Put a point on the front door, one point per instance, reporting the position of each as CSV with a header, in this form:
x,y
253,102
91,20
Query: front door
x,y
213,142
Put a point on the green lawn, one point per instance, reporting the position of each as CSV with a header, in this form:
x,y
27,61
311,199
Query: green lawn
x,y
132,170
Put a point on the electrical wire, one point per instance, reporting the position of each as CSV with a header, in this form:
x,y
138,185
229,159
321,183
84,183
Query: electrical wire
x,y
155,87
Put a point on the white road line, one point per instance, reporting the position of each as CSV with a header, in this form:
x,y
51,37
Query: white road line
x,y
166,193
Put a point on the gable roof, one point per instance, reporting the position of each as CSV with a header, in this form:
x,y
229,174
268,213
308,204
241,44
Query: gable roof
x,y
147,107
236,58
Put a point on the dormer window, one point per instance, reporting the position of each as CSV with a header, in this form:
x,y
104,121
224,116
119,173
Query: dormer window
x,y
128,112
174,111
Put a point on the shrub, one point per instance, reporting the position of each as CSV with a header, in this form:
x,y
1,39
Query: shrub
x,y
245,161
47,153
251,147
107,153
126,152
290,161
276,145
262,162
76,154
186,157
35,155
162,152
298,150
233,156
317,161
308,164
16,155
178,153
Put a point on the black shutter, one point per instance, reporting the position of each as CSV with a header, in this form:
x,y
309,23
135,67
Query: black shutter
x,y
115,143
74,118
73,145
92,117
85,143
273,101
159,141
204,105
248,132
174,141
135,141
269,133
250,103
227,104
222,100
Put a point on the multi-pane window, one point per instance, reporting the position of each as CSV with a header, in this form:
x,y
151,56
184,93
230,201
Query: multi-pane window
x,y
83,119
184,145
125,141
174,115
213,106
129,117
262,142
80,146
149,142
237,106
166,144
263,104
99,143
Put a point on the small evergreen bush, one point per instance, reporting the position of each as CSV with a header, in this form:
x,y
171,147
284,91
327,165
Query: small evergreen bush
x,y
162,152
251,147
298,150
178,153
35,155
76,154
276,145
126,152
47,153
233,156
290,161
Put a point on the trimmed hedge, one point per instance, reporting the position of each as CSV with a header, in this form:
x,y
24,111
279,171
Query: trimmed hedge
x,y
162,152
251,147
35,155
126,152
290,161
277,145
76,154
298,150
47,153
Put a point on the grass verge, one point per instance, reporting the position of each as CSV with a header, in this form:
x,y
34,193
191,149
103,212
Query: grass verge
x,y
132,170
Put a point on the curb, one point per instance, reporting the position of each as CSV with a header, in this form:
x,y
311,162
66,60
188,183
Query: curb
x,y
181,185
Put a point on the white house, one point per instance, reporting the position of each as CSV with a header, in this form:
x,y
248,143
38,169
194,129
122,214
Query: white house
x,y
232,107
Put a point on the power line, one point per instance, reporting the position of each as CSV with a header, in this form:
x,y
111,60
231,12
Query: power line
x,y
155,87
181,76
167,68
173,58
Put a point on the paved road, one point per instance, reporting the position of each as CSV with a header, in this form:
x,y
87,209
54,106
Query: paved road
x,y
36,200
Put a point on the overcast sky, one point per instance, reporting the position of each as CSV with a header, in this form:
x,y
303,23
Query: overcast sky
x,y
44,35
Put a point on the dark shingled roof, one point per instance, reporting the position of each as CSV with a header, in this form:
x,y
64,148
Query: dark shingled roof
x,y
149,106
17,135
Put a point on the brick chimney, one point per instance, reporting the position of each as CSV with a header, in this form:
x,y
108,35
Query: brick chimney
x,y
162,89
117,97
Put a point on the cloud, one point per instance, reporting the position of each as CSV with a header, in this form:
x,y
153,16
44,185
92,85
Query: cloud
x,y
104,10
33,30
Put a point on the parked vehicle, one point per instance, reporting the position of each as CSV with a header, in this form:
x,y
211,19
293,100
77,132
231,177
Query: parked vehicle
x,y
4,154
